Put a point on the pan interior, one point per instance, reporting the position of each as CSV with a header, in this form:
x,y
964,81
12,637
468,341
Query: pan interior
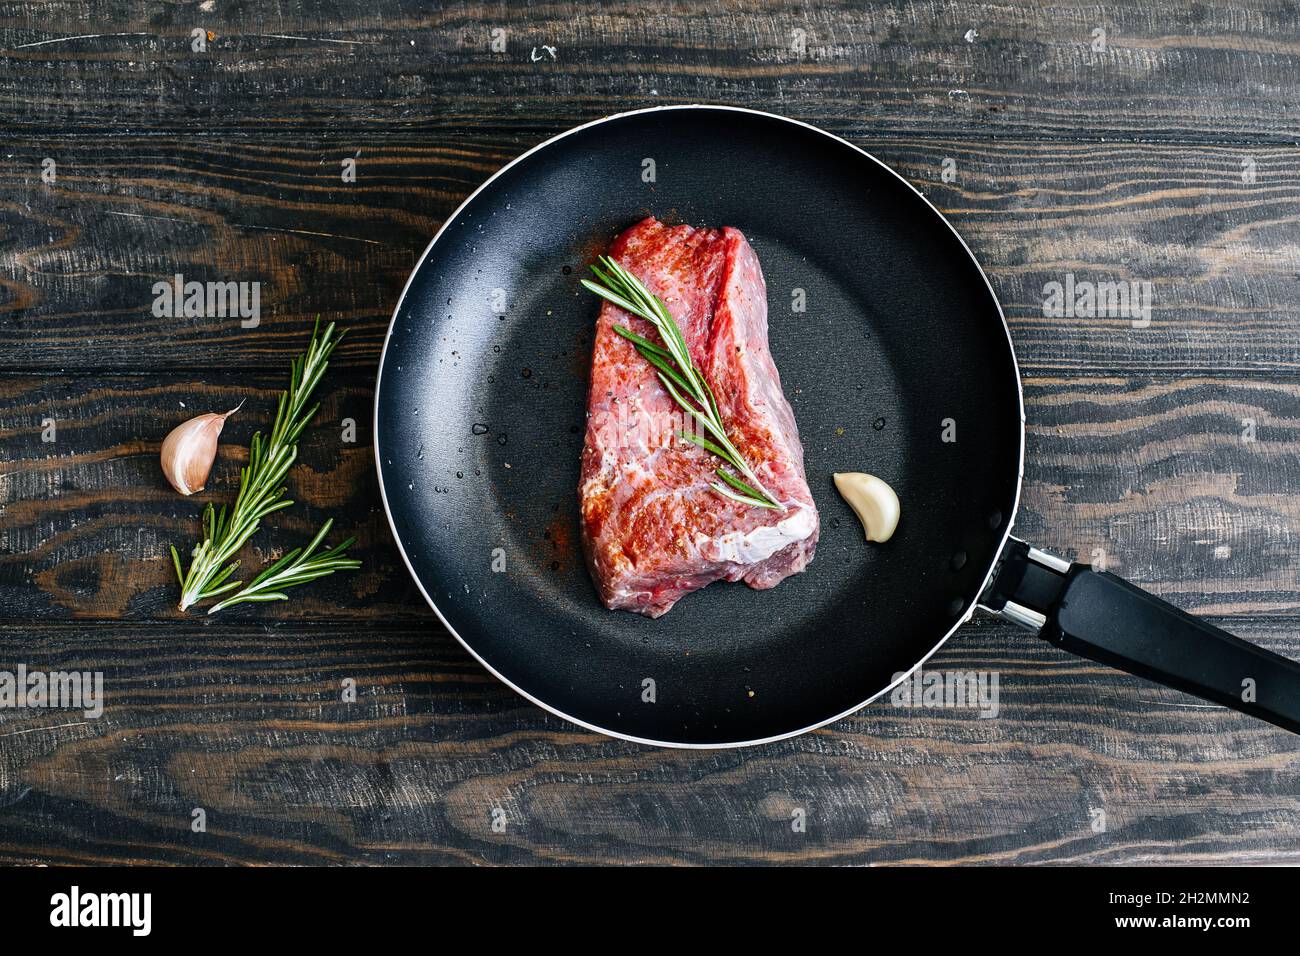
x,y
891,350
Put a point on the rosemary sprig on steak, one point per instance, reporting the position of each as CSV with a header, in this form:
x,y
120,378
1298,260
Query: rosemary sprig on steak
x,y
681,378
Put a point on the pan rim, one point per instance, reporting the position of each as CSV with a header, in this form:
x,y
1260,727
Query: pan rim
x,y
681,745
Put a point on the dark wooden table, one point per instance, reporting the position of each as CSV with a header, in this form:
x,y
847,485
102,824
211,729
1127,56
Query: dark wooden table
x,y
1164,149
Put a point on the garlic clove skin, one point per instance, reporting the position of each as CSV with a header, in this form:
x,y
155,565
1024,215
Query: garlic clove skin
x,y
873,501
189,450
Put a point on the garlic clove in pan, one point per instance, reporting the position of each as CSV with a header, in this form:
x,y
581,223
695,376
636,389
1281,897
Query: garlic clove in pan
x,y
189,450
873,501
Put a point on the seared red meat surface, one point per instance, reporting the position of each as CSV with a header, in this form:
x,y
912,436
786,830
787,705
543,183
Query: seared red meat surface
x,y
652,528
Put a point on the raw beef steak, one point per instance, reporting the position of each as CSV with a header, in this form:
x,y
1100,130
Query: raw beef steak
x,y
652,528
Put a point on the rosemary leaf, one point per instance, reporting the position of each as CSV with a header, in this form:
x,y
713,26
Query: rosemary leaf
x,y
749,491
642,344
297,567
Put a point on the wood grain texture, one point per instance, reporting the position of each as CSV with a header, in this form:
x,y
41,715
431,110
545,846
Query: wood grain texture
x,y
79,257
1152,476
1185,70
1187,486
87,519
249,725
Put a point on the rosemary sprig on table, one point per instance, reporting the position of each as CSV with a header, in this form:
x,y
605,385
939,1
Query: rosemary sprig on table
x,y
681,378
260,494
297,567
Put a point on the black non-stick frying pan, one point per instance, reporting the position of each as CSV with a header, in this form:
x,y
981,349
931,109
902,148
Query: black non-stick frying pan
x,y
901,348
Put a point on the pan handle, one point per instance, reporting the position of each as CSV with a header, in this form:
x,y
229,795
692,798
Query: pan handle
x,y
1104,618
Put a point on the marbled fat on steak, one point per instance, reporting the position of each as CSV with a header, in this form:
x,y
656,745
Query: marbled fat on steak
x,y
652,528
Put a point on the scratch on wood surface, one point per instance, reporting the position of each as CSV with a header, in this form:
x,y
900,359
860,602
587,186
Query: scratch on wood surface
x,y
83,36
33,730
138,215
16,797
274,36
1179,703
285,36
240,225
307,232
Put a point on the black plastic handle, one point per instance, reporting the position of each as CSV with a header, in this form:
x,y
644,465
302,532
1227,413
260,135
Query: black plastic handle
x,y
1104,618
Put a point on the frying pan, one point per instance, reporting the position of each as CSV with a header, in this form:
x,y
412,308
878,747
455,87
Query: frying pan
x,y
900,364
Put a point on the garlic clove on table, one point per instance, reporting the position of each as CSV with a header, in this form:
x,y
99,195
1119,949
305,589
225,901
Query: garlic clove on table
x,y
189,450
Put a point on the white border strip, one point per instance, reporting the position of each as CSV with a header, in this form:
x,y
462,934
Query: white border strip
x,y
1020,469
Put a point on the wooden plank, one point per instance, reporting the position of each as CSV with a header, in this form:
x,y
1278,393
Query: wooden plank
x,y
81,260
79,257
1081,764
1160,70
1150,475
1184,485
87,519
